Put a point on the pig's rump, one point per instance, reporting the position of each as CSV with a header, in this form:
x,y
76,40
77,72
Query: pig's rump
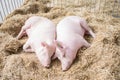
x,y
69,26
34,21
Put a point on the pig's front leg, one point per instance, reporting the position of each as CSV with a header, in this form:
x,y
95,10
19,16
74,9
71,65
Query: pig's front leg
x,y
23,31
84,42
27,47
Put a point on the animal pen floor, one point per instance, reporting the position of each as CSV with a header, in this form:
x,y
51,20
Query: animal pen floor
x,y
101,61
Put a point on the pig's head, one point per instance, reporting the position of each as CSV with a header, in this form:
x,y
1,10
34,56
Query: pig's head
x,y
63,53
44,54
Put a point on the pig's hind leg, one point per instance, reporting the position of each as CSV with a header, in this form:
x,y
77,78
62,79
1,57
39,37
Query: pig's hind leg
x,y
84,25
27,47
22,32
85,43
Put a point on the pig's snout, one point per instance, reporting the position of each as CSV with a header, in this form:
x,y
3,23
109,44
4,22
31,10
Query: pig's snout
x,y
65,67
47,66
66,64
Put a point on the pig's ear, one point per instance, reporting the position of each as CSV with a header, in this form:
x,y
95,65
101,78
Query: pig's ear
x,y
61,47
44,44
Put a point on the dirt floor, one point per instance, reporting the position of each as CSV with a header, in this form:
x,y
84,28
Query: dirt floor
x,y
101,61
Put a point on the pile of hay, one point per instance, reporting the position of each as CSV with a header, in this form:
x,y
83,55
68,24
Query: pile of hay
x,y
101,61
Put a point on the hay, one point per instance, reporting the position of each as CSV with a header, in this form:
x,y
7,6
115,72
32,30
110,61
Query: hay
x,y
101,61
12,46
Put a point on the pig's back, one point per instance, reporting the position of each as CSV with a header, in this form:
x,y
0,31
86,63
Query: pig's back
x,y
44,30
70,25
30,24
32,20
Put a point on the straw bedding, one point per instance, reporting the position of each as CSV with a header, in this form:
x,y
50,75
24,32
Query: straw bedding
x,y
101,61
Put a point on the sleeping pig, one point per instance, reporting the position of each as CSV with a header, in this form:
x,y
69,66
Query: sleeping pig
x,y
70,38
41,34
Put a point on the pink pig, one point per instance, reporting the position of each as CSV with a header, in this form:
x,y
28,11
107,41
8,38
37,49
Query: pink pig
x,y
70,32
41,36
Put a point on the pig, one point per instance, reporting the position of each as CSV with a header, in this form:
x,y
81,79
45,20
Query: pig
x,y
70,37
41,34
